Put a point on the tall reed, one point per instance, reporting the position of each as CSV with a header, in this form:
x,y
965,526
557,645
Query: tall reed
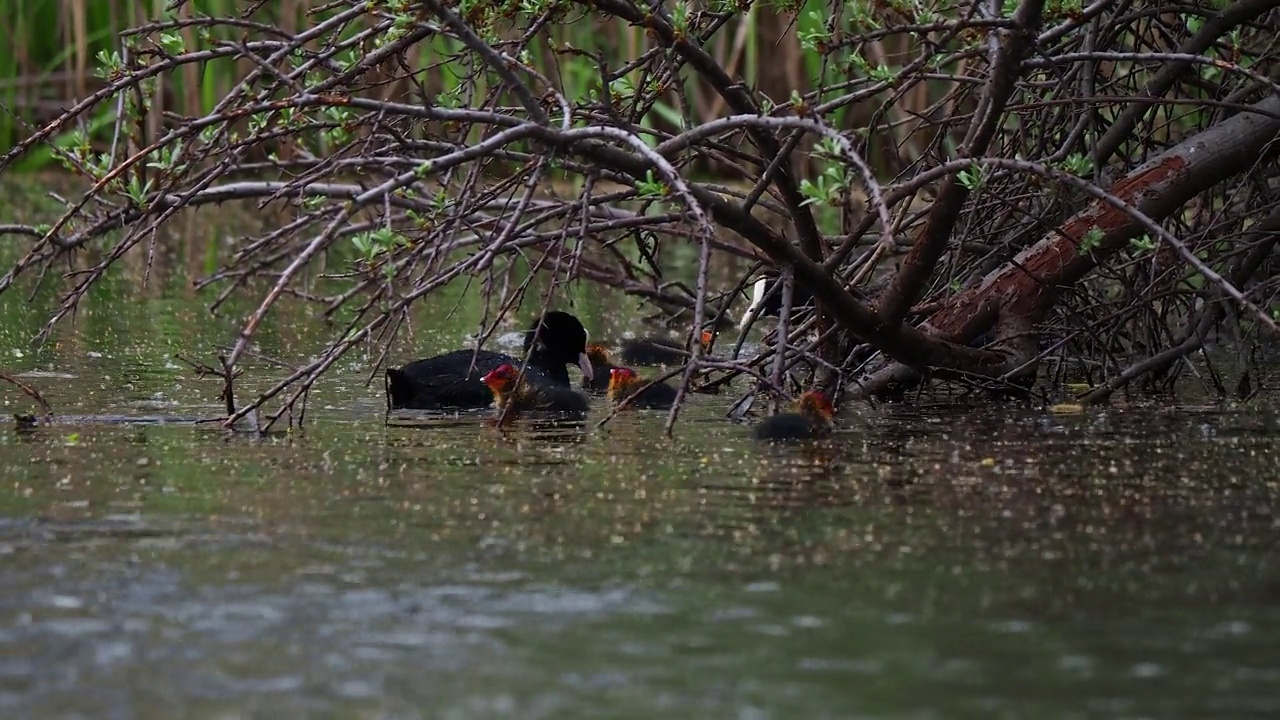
x,y
57,43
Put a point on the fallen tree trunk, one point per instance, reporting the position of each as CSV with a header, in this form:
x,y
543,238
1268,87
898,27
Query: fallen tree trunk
x,y
1027,285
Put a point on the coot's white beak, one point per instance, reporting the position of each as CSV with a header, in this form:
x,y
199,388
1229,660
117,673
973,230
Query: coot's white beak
x,y
757,297
584,362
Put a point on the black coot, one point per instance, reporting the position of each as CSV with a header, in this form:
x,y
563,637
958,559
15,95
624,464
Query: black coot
x,y
659,351
452,381
766,294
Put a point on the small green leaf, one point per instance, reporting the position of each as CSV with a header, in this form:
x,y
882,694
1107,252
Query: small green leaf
x,y
172,43
1077,164
651,187
972,178
1091,241
1143,244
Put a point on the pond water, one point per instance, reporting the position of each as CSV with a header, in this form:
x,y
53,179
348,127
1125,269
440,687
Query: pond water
x,y
931,560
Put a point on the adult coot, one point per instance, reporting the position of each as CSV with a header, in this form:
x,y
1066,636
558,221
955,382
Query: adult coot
x,y
452,380
659,351
513,394
623,382
811,419
766,294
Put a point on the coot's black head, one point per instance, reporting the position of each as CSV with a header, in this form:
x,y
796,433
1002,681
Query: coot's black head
x,y
562,341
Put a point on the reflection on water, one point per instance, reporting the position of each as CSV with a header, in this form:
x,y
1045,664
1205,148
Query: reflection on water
x,y
927,561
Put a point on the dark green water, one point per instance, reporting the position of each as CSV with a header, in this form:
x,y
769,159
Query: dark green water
x,y
931,561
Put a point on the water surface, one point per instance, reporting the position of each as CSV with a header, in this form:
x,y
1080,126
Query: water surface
x,y
950,559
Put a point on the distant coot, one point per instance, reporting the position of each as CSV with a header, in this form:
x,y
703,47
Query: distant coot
x,y
766,294
811,419
659,351
514,395
452,381
623,382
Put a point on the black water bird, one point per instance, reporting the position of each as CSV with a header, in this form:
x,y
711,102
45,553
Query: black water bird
x,y
766,294
453,380
660,351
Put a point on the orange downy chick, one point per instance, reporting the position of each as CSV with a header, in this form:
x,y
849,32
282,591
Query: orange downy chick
x,y
811,418
623,382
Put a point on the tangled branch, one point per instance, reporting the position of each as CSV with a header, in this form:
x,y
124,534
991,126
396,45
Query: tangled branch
x,y
946,187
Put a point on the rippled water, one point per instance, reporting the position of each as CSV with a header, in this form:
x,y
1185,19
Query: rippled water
x,y
926,562
929,561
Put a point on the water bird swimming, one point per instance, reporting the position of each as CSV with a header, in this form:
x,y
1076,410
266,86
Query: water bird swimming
x,y
453,381
624,381
513,394
659,351
811,418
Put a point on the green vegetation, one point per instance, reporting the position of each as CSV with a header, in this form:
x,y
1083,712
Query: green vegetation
x,y
906,161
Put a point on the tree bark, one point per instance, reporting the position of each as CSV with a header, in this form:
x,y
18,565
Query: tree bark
x,y
1027,285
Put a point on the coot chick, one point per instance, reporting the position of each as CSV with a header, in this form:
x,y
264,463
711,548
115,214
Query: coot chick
x,y
811,419
601,368
513,395
624,381
766,294
451,381
659,351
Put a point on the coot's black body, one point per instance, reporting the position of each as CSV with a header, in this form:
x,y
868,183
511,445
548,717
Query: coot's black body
x,y
659,351
652,351
450,381
560,399
767,295
655,397
515,395
453,381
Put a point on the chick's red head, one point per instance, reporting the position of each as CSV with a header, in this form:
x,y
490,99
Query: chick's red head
x,y
816,403
501,379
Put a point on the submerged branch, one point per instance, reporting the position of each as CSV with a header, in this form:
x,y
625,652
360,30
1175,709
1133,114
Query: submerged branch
x,y
45,410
